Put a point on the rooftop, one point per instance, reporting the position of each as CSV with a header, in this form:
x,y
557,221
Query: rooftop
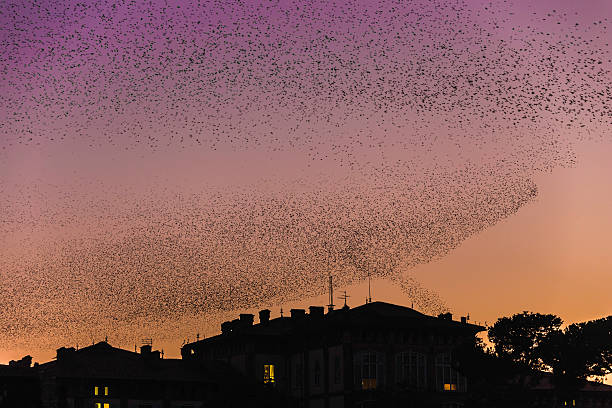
x,y
101,360
374,314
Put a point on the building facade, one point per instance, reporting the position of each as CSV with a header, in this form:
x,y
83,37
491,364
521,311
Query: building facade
x,y
19,385
102,376
374,355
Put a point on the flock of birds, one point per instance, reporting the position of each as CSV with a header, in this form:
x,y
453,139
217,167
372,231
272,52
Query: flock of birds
x,y
434,113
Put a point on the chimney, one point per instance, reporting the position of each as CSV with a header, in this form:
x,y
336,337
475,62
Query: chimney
x,y
463,319
226,327
316,311
235,325
445,316
25,362
146,349
297,313
246,319
264,316
64,351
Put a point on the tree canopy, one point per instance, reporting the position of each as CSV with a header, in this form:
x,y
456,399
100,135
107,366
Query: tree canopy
x,y
520,336
580,351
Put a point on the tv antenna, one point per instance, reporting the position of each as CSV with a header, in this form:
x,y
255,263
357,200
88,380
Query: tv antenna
x,y
331,305
345,297
369,300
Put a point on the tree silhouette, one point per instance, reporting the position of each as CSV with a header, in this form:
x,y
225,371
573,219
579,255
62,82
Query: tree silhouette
x,y
491,377
520,337
580,351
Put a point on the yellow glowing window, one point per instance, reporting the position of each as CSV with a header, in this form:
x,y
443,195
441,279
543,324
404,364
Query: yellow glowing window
x,y
98,405
573,403
368,383
450,387
106,405
105,390
96,390
268,374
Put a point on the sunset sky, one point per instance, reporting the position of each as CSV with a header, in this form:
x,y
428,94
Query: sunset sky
x,y
166,166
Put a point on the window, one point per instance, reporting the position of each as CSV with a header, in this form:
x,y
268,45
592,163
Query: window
x,y
96,390
268,374
106,405
299,374
317,373
411,369
447,378
105,390
337,370
368,369
98,405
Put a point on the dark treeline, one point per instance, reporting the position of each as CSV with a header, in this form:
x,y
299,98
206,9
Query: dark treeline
x,y
529,347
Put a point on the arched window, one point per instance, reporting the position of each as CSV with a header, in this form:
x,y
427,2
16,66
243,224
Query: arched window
x,y
411,369
447,378
369,369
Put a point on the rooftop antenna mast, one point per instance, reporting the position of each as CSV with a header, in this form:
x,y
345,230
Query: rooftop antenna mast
x,y
331,305
345,297
369,288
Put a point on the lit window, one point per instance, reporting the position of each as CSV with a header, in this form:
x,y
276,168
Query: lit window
x,y
105,390
96,390
368,384
268,374
573,403
106,405
368,369
98,405
447,378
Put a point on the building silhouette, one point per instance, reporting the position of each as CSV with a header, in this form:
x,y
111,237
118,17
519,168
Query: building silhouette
x,y
19,385
102,376
374,355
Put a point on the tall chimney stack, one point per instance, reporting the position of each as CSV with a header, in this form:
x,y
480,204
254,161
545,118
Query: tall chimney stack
x,y
264,316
